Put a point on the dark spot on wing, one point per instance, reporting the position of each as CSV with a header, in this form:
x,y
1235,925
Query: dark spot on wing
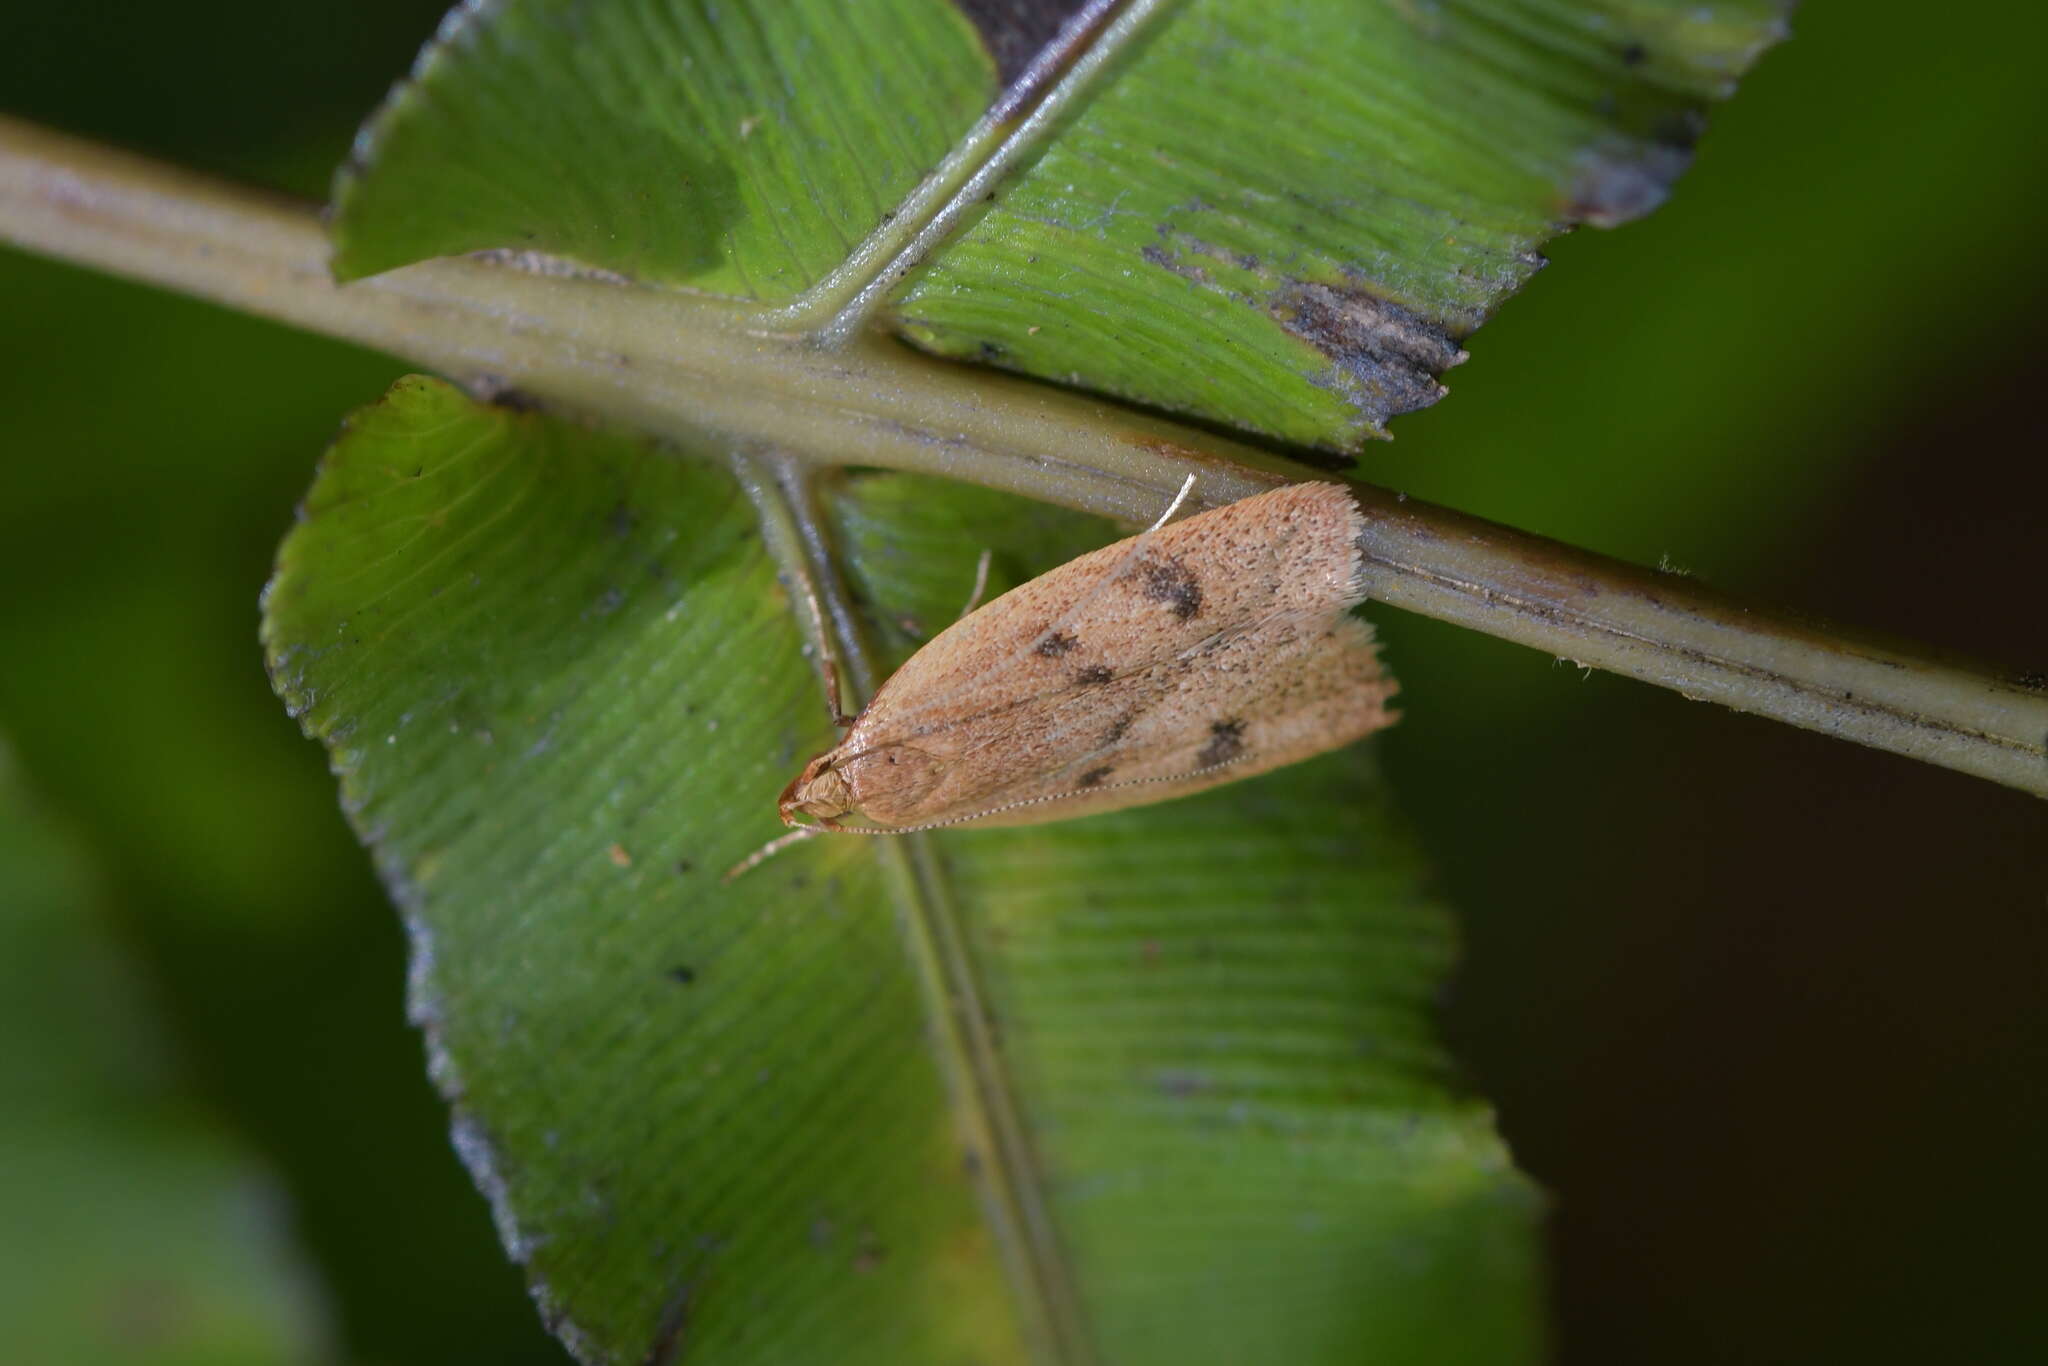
x,y
1226,742
1169,581
1094,776
1094,673
1117,731
1056,644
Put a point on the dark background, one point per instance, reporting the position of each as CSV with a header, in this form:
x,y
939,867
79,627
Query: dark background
x,y
1761,1009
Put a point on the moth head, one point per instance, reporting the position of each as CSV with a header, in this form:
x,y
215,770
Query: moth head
x,y
820,792
880,787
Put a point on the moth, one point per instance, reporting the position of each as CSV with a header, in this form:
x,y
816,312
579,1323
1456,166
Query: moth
x,y
1195,653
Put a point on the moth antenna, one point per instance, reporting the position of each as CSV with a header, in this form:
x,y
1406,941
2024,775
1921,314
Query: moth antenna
x,y
1187,487
770,850
980,583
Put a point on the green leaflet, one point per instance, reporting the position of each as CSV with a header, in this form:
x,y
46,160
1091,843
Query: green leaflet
x,y
736,148
562,686
1282,217
1287,216
136,1232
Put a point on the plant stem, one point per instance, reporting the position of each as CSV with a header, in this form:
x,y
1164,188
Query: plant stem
x,y
688,368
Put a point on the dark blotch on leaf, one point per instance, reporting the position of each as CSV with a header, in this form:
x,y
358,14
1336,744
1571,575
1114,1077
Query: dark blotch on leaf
x,y
1226,742
1014,31
1169,581
682,976
499,392
1620,183
1388,356
1157,256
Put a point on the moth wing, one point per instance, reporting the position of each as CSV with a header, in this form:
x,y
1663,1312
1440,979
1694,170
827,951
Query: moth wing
x,y
1123,610
1283,690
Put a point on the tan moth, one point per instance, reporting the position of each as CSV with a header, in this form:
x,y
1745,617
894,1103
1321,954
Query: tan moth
x,y
1196,653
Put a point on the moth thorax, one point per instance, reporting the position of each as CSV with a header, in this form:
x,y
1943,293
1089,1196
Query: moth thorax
x,y
891,784
820,791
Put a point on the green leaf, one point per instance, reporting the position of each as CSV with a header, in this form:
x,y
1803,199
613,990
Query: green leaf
x,y
735,148
136,1233
1288,216
1282,217
561,684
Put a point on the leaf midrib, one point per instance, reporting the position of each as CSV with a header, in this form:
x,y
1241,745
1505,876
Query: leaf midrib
x,y
842,305
996,1147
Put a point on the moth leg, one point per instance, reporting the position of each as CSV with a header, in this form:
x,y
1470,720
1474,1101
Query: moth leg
x,y
980,584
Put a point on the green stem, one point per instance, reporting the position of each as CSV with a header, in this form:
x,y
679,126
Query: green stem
x,y
689,367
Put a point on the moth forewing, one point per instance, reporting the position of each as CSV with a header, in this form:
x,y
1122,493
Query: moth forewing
x,y
1173,735
1194,654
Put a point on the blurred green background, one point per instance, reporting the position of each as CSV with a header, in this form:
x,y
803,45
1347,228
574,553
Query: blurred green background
x,y
1764,1011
